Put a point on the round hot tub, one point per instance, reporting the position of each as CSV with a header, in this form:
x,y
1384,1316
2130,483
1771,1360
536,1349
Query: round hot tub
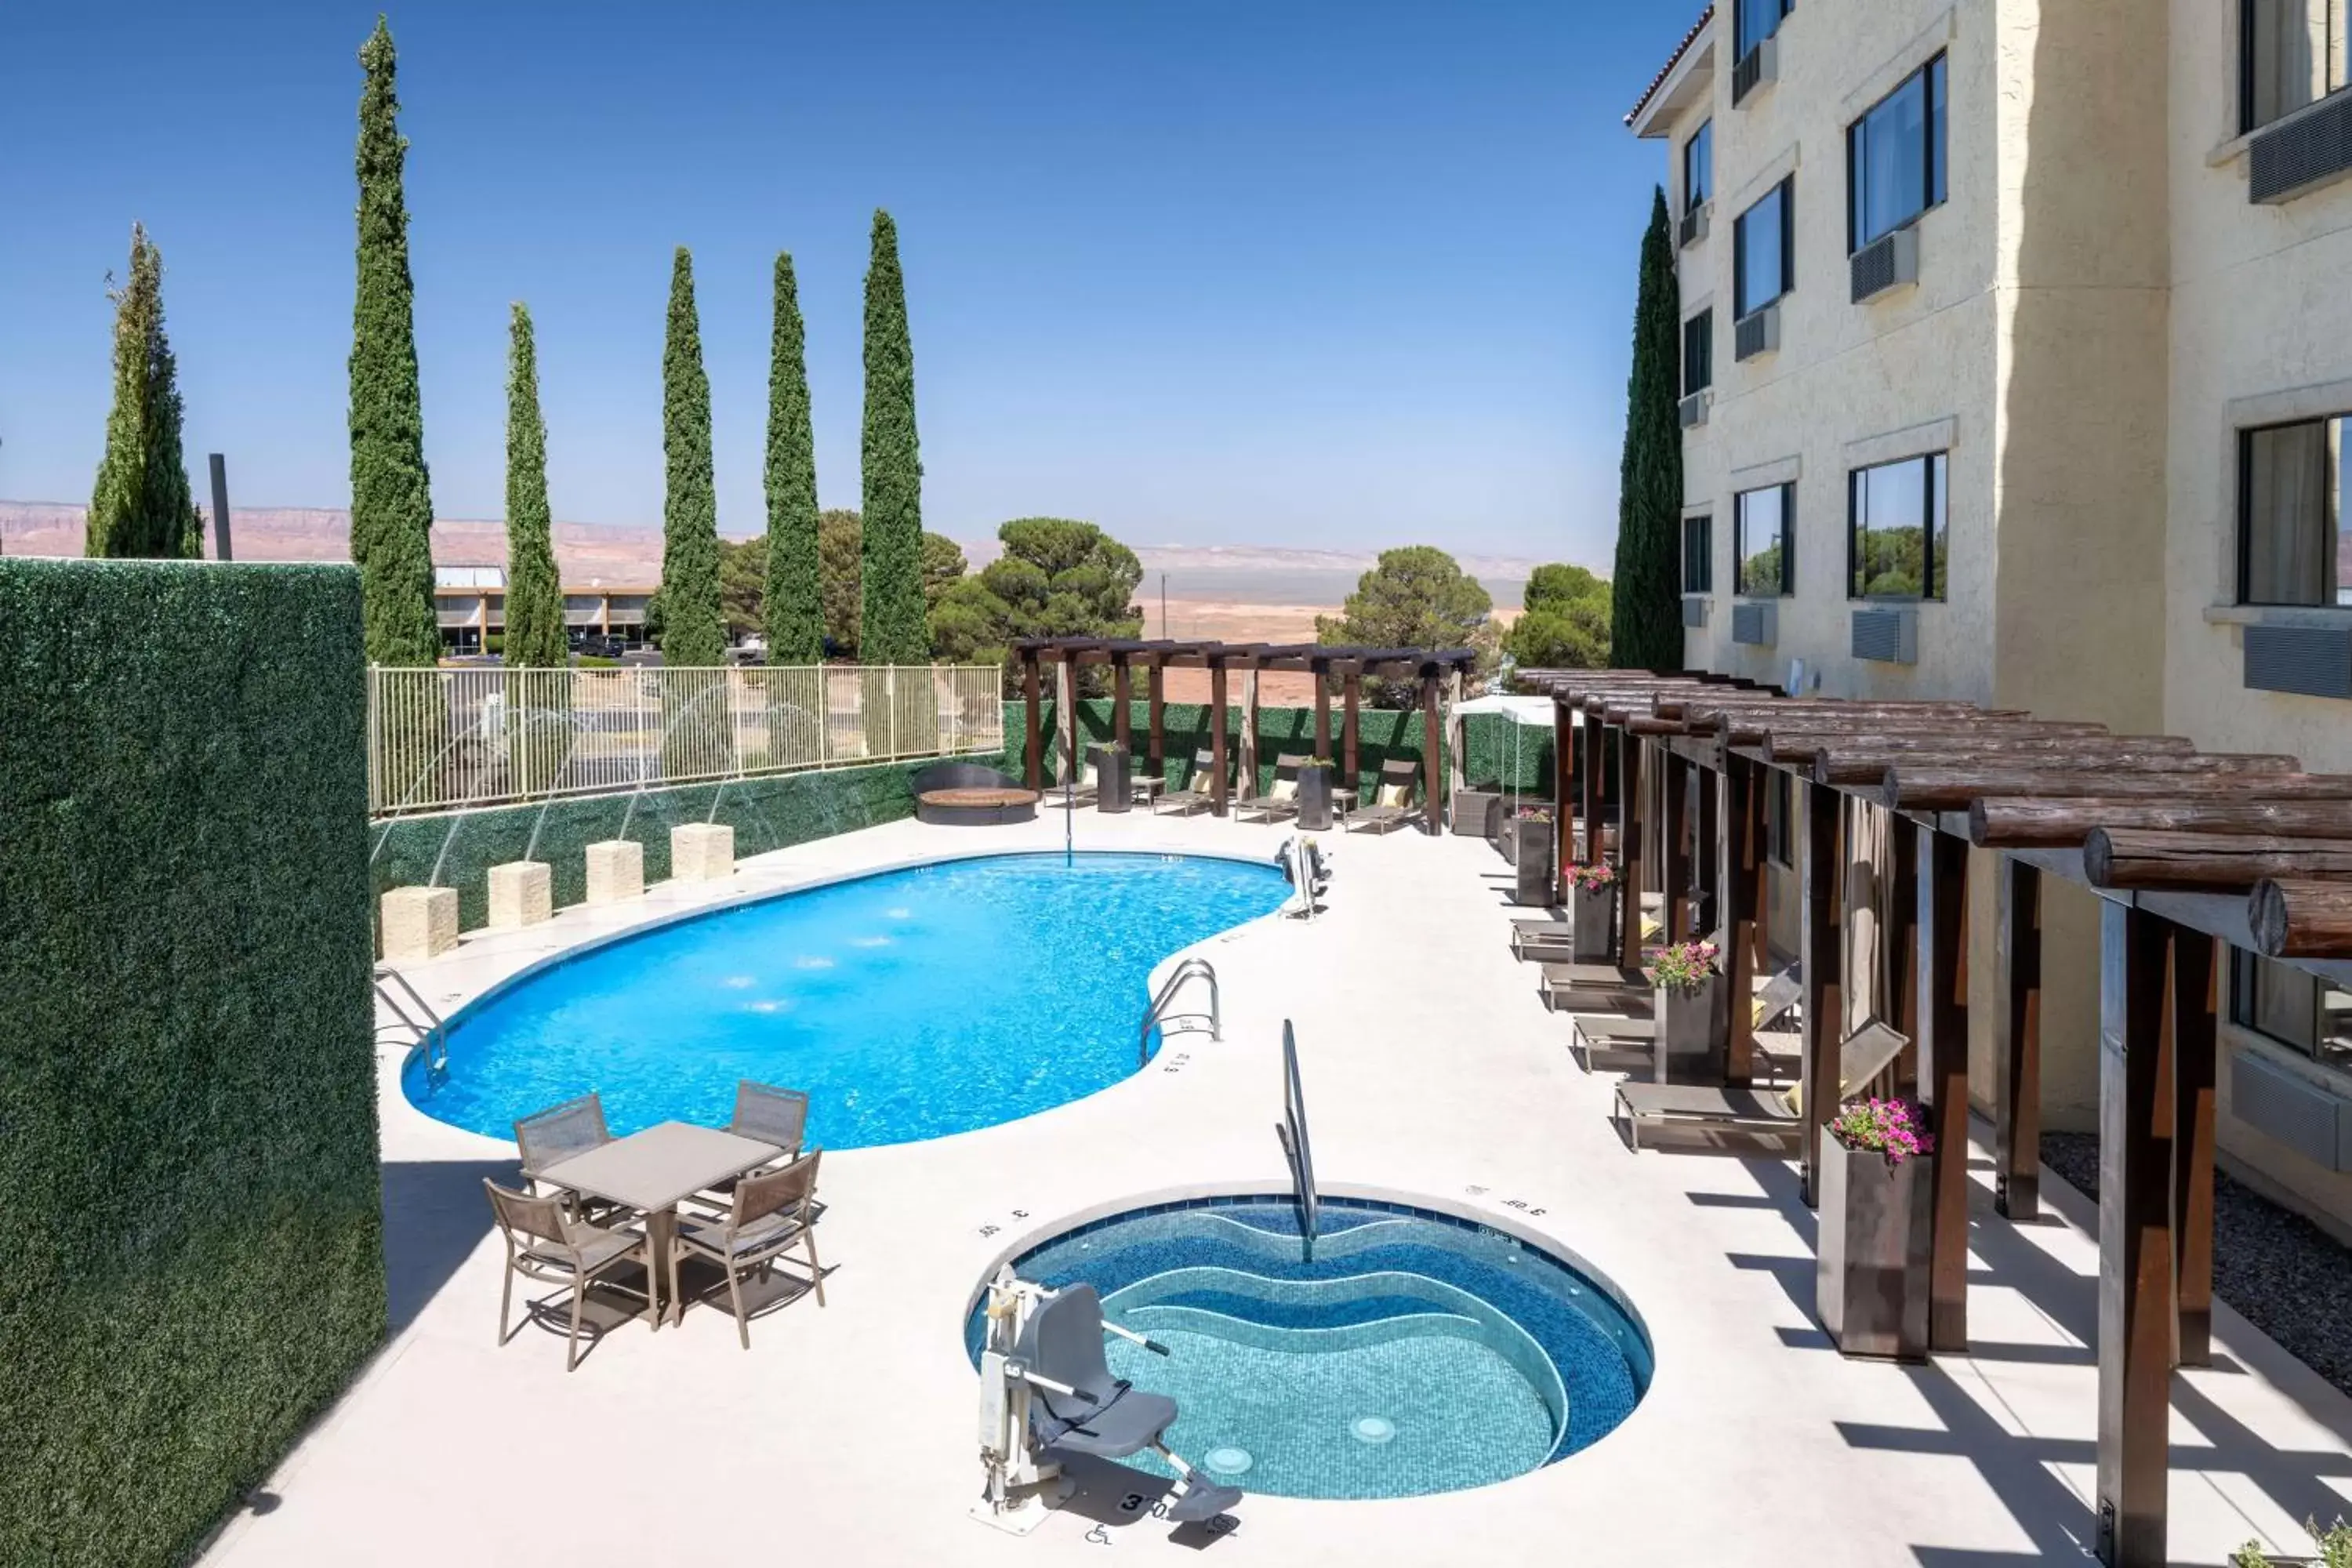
x,y
1408,1351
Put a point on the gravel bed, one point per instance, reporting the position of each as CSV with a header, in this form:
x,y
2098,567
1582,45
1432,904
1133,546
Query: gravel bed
x,y
2281,1272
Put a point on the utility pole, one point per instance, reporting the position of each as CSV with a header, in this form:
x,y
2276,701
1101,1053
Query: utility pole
x,y
220,507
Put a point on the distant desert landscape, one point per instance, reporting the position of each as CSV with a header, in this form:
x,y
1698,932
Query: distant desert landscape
x,y
1224,593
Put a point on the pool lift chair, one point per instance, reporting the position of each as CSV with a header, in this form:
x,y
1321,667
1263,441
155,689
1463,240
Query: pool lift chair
x,y
1308,872
1046,1391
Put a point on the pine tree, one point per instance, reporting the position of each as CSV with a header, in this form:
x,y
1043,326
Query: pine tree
x,y
535,636
892,628
140,504
693,634
794,599
392,501
1646,630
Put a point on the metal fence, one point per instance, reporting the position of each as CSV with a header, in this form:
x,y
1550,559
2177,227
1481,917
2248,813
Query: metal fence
x,y
443,737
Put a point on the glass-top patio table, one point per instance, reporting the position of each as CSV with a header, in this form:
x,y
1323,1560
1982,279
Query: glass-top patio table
x,y
654,1171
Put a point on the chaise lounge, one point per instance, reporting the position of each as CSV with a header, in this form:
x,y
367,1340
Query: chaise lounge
x,y
1772,1113
1393,800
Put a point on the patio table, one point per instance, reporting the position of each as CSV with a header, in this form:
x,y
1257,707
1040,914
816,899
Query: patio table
x,y
655,1170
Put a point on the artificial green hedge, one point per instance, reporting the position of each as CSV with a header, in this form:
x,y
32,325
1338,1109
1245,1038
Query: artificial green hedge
x,y
458,848
1381,733
190,1248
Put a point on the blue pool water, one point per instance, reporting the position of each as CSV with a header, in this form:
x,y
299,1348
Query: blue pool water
x,y
1416,1353
908,1005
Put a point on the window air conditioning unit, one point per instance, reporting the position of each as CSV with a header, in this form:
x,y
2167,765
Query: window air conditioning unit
x,y
1692,409
1756,624
1758,332
1887,634
1887,262
1757,67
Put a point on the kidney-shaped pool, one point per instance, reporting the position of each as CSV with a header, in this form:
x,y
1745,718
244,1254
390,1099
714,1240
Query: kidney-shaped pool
x,y
908,1005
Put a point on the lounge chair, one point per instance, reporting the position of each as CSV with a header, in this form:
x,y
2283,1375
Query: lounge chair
x,y
770,1115
1550,940
1768,1112
1593,987
557,1133
1393,800
1195,794
771,1212
1280,803
547,1246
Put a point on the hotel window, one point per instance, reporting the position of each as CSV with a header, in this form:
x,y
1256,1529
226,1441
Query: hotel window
x,y
1763,247
1895,158
1756,20
1763,528
1698,555
2295,1009
1895,529
2291,547
1698,167
1699,353
2292,53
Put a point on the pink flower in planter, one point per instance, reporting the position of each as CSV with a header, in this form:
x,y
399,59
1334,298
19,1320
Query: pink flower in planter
x,y
1594,878
1684,967
1894,1128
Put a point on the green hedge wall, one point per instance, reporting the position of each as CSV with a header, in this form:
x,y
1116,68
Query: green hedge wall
x,y
1382,733
190,1249
767,814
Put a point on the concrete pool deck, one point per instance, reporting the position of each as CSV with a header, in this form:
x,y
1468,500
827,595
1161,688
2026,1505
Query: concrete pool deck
x,y
846,1434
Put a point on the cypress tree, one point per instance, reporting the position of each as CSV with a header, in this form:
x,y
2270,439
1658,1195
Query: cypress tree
x,y
392,501
1646,629
795,598
140,504
535,638
693,632
892,628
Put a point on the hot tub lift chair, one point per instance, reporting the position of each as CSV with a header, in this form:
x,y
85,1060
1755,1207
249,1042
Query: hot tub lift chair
x,y
1308,872
1046,1391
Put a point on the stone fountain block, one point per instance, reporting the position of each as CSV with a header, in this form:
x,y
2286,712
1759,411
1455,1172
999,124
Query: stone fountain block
x,y
616,870
419,923
702,852
523,893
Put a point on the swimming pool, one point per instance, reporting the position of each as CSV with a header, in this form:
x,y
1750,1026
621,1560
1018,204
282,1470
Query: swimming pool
x,y
908,1005
1415,1353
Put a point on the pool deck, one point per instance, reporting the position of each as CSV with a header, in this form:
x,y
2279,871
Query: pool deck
x,y
1431,1070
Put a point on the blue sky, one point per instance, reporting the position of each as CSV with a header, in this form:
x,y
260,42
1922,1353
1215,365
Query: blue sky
x,y
1312,274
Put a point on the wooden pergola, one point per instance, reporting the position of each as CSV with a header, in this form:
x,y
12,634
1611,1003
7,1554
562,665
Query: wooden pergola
x,y
2186,849
1326,662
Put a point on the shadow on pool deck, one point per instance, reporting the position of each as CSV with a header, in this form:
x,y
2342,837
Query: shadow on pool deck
x,y
435,1216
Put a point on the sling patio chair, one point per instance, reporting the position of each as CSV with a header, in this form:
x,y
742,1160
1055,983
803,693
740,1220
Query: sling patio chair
x,y
1550,938
1195,795
547,1246
770,1212
1393,800
768,1115
551,1136
1773,1113
1280,803
1774,1000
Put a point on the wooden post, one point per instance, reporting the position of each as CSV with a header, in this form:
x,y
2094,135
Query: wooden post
x,y
1943,1008
1252,741
1350,768
1596,781
1630,850
1563,796
1899,912
1819,874
1321,671
1742,883
1122,695
2194,1049
2136,1253
1156,713
1074,764
1432,756
2017,1041
1220,786
1674,834
1707,861
1034,746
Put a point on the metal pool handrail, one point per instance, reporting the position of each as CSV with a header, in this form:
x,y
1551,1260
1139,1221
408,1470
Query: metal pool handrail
x,y
1293,1133
1186,971
436,1034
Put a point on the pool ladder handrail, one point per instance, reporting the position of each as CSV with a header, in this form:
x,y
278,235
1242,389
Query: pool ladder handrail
x,y
433,1034
1294,1144
1189,969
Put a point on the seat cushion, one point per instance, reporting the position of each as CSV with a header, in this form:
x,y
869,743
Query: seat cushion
x,y
767,1230
594,1246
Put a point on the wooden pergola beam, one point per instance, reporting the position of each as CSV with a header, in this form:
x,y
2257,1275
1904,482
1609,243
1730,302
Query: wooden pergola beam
x,y
1799,746
2297,918
1956,789
2132,858
1868,765
2020,823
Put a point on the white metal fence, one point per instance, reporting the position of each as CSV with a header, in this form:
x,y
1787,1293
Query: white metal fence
x,y
443,737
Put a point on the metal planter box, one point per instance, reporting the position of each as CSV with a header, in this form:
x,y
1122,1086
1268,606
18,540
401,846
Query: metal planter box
x,y
1533,842
1315,798
1871,1274
1114,788
1470,812
1694,1032
1592,928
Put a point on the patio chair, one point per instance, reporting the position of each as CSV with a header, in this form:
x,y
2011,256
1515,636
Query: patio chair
x,y
770,1115
1077,1407
549,1137
1393,800
1280,803
1195,794
771,1212
547,1246
1862,1056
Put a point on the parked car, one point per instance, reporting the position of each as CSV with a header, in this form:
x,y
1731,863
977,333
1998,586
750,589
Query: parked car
x,y
596,644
